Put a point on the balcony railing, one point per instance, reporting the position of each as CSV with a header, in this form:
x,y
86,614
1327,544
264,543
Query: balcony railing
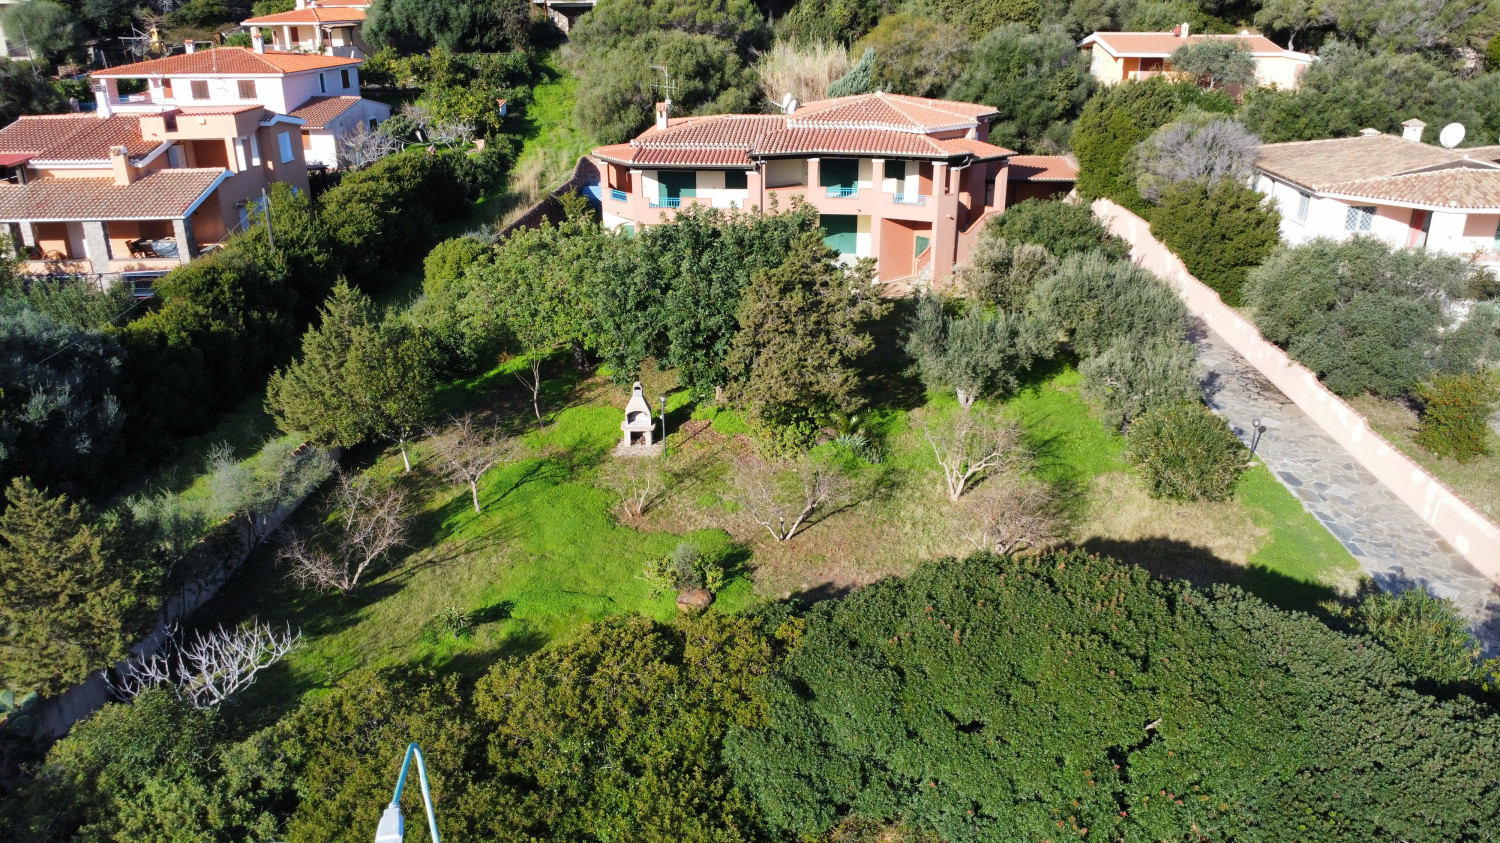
x,y
617,194
667,202
841,192
910,199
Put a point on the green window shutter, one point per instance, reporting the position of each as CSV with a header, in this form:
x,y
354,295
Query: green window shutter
x,y
735,180
838,172
921,245
895,170
675,184
840,232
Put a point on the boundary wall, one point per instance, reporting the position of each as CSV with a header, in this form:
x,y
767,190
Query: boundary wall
x,y
1471,533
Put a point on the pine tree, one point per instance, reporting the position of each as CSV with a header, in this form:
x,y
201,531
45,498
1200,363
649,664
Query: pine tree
x,y
314,395
792,362
69,604
859,80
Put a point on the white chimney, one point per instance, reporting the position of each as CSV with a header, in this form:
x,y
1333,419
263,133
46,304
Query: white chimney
x,y
1412,129
188,47
1185,28
663,110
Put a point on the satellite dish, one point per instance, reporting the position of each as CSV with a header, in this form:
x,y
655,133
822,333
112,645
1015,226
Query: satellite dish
x,y
785,99
1452,135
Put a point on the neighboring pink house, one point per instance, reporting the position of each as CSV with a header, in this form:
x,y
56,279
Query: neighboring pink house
x,y
315,26
322,91
1129,56
905,180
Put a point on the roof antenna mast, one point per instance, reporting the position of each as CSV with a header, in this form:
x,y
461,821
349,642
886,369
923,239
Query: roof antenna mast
x,y
666,85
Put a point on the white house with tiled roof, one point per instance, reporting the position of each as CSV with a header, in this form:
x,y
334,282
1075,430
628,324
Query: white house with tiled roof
x,y
1125,56
908,181
138,194
331,27
321,90
1403,191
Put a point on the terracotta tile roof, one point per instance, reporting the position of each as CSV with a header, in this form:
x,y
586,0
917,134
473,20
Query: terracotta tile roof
x,y
75,137
1317,164
868,124
882,110
1459,188
1042,168
1162,44
311,16
320,111
227,61
164,194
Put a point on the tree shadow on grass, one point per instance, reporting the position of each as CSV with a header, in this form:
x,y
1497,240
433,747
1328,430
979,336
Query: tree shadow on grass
x,y
1178,560
887,379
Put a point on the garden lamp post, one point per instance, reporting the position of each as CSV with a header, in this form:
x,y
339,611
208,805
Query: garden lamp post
x,y
662,399
1255,431
392,828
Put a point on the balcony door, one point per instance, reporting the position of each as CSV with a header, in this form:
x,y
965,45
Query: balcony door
x,y
672,186
839,175
1421,223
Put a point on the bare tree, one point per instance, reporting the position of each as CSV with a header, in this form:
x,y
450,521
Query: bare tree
x,y
971,445
366,522
468,450
364,146
781,496
210,670
450,132
639,481
1210,148
1013,514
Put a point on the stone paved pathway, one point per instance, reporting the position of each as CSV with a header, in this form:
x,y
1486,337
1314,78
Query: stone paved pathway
x,y
1391,542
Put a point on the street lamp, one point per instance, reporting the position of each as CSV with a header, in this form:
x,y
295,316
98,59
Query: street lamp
x,y
1255,433
392,828
663,400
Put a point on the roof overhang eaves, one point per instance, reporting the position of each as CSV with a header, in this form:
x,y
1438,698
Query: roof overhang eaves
x,y
282,118
1285,178
223,177
1402,203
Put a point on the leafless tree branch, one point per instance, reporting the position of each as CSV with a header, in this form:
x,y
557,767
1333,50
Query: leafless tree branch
x,y
970,445
639,481
210,670
781,496
1012,515
362,147
367,522
468,450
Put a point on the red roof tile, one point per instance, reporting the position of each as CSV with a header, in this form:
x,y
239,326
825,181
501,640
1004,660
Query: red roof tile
x,y
226,61
320,111
1042,168
882,110
164,194
311,16
75,137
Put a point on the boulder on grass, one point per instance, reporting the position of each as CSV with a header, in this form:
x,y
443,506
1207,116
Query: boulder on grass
x,y
694,599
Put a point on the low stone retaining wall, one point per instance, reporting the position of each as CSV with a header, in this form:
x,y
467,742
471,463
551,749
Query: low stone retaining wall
x,y
585,173
1473,535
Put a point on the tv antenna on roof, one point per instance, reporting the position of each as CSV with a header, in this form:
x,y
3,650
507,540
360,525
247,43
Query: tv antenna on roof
x,y
1452,135
666,84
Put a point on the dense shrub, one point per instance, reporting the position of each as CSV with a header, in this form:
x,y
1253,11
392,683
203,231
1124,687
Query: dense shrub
x,y
1456,410
1116,119
1187,453
1000,275
1094,301
1038,81
976,353
1427,635
1130,378
994,698
1220,229
1364,316
1062,228
489,26
1199,146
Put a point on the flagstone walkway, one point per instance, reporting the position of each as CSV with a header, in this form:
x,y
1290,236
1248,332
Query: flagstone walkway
x,y
1391,542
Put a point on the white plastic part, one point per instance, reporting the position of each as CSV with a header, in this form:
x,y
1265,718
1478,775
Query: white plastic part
x,y
392,828
1452,135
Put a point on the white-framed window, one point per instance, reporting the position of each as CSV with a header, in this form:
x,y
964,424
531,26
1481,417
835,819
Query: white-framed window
x,y
255,150
1359,218
284,140
322,83
1304,200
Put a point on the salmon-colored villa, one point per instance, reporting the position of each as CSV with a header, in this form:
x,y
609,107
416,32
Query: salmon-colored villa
x,y
1133,56
905,180
137,195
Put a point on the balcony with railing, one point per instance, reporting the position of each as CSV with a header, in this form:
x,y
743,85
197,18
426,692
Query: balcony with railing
x,y
618,195
667,202
910,199
839,191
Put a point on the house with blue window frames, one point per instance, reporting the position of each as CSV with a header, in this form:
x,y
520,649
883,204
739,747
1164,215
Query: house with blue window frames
x,y
907,181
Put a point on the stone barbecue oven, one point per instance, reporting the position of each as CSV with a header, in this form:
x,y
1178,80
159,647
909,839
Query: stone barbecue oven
x,y
638,426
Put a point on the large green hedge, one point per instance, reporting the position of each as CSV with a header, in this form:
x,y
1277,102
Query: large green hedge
x,y
1004,699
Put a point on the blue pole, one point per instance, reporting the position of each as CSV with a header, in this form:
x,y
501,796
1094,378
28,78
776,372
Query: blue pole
x,y
411,750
